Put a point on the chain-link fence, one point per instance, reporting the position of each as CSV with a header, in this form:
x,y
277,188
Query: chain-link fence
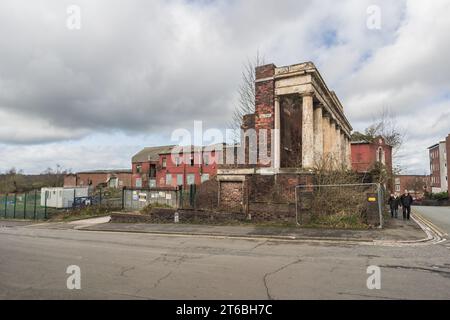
x,y
340,205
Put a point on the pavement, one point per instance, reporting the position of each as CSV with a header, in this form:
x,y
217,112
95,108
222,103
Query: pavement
x,y
397,230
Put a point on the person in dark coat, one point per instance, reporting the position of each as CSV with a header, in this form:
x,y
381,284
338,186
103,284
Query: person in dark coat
x,y
394,202
406,201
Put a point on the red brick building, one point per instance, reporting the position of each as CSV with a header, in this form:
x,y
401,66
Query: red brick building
x,y
365,154
99,178
416,185
144,165
159,167
185,169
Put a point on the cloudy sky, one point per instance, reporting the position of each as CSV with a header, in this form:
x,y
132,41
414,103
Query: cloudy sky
x,y
90,98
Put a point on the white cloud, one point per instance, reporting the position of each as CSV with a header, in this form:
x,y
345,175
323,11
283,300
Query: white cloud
x,y
150,67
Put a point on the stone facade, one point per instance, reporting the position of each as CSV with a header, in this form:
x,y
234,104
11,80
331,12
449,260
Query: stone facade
x,y
305,124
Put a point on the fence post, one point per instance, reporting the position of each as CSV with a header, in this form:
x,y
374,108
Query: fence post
x,y
380,211
6,204
123,198
25,206
45,205
35,199
15,201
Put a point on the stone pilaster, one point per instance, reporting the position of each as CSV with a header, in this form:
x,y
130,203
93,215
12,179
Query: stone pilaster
x,y
307,131
277,142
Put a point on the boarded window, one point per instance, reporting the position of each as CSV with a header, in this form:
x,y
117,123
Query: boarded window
x,y
190,178
168,179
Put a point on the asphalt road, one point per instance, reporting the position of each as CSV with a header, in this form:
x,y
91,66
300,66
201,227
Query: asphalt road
x,y
33,263
440,216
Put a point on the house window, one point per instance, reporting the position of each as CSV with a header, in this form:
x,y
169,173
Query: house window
x,y
206,160
168,179
152,183
204,177
139,168
177,161
179,179
192,161
138,182
152,171
190,178
164,162
397,188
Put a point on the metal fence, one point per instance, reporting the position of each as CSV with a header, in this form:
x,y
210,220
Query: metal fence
x,y
136,199
340,203
24,206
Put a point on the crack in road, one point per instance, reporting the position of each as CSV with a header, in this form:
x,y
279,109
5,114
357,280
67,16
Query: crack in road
x,y
158,282
125,270
274,272
432,270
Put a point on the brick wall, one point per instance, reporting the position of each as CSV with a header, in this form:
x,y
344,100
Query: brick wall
x,y
231,195
264,103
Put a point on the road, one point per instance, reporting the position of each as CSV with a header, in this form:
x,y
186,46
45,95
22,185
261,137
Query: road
x,y
440,216
33,263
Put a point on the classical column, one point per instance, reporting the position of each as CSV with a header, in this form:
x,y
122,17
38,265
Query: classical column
x,y
276,157
342,151
307,131
338,147
332,150
349,154
326,134
318,134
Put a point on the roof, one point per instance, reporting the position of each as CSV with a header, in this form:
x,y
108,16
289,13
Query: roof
x,y
217,146
434,146
150,153
107,171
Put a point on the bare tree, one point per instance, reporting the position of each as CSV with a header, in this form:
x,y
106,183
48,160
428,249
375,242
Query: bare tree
x,y
246,94
385,124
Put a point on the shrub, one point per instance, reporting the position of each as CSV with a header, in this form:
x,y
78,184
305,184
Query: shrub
x,y
440,196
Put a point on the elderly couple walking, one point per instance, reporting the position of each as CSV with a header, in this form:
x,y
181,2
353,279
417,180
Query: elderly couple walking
x,y
405,201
